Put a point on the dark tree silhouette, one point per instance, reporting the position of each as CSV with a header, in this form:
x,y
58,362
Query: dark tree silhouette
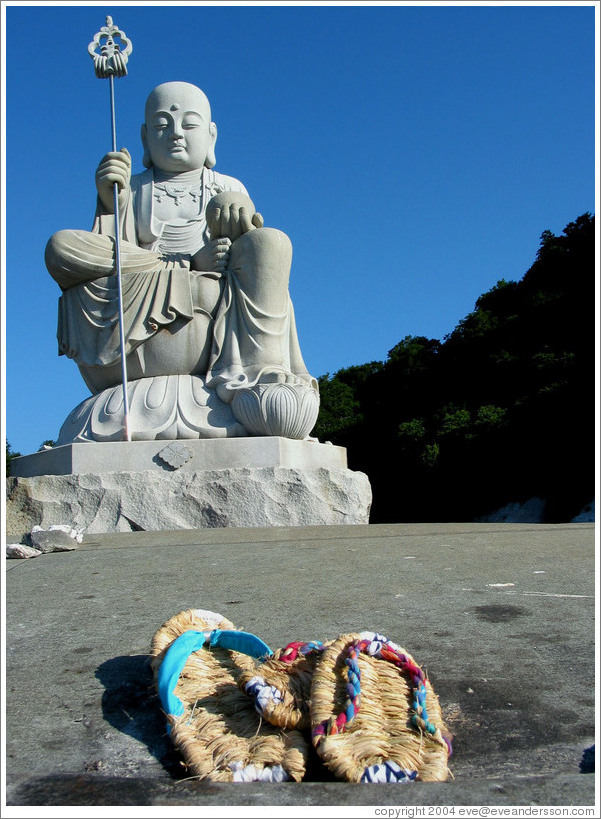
x,y
500,411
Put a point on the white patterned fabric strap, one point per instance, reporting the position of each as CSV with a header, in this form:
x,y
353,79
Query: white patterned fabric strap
x,y
377,641
211,618
388,771
263,694
250,773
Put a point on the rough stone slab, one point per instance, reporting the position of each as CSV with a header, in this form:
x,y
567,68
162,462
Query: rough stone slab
x,y
219,453
513,665
19,551
54,539
156,501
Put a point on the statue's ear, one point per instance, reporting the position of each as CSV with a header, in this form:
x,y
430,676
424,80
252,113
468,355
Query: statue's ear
x,y
146,160
211,160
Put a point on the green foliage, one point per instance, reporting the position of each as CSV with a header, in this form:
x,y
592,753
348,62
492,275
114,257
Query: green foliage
x,y
489,416
413,354
414,430
454,421
10,454
501,410
339,408
429,456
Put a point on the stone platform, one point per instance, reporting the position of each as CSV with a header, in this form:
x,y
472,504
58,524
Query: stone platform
x,y
158,485
500,615
167,456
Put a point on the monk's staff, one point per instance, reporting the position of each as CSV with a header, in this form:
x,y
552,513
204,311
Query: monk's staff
x,y
111,62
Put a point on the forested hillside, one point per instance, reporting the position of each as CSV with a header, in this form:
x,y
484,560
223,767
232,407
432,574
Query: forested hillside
x,y
501,410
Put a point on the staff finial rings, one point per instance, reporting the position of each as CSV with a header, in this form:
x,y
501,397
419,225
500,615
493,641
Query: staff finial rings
x,y
112,59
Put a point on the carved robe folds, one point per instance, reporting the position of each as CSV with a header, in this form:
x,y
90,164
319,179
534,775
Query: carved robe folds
x,y
208,355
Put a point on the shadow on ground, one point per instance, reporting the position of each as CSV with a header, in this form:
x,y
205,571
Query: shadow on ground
x,y
131,705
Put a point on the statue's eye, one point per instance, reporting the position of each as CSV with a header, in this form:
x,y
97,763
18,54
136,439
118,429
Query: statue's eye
x,y
160,124
191,121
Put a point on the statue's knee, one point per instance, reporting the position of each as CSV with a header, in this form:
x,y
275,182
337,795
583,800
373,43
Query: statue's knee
x,y
73,256
263,244
55,249
63,241
274,239
55,241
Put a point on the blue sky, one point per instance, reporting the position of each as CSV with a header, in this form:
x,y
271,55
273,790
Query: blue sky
x,y
413,154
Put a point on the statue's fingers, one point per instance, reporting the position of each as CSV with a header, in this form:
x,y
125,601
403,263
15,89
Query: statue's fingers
x,y
224,221
124,163
106,164
245,221
220,252
257,220
116,170
115,176
213,221
221,255
115,164
235,229
115,156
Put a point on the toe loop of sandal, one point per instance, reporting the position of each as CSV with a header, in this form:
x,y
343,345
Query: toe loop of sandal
x,y
292,650
263,694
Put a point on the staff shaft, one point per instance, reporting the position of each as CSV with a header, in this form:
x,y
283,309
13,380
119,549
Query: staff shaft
x,y
118,272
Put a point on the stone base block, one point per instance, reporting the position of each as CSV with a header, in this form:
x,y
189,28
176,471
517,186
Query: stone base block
x,y
155,500
184,455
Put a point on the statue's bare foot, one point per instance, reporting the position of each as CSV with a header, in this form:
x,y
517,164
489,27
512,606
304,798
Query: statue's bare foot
x,y
280,377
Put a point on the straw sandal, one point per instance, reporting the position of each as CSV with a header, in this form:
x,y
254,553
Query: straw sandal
x,y
374,714
399,736
197,658
281,686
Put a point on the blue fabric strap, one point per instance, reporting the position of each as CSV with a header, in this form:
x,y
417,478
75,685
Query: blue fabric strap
x,y
191,641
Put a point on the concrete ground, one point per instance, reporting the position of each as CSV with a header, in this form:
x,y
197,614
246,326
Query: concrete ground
x,y
500,615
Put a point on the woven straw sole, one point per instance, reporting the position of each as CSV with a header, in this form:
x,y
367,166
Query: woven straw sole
x,y
381,731
220,732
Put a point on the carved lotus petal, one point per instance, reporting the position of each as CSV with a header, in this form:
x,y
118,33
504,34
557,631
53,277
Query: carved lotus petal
x,y
288,410
247,409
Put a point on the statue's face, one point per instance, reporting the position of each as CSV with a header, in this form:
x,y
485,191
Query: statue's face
x,y
178,131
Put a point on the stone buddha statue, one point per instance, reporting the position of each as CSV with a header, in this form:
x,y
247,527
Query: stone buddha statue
x,y
210,337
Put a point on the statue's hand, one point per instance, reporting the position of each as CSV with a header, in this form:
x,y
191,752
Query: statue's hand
x,y
114,167
232,214
213,257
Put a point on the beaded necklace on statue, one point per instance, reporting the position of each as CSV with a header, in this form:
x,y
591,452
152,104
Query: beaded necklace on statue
x,y
179,187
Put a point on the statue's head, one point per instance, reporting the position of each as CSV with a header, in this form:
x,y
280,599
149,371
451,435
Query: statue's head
x,y
177,133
